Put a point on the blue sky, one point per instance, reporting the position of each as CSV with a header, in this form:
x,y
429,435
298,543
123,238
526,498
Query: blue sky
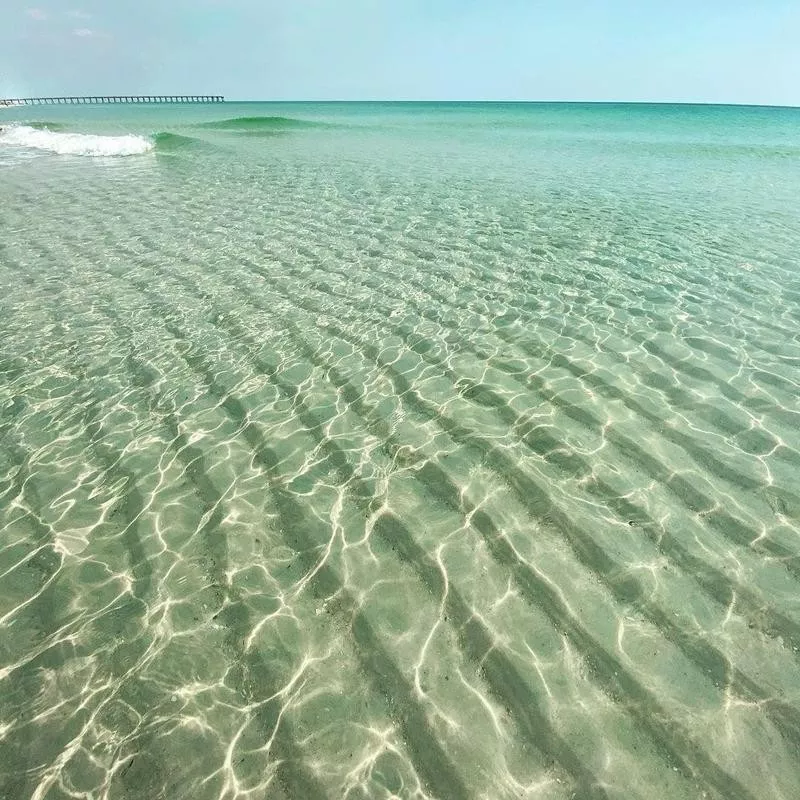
x,y
739,51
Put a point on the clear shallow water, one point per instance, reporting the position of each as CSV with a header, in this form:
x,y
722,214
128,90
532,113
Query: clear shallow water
x,y
400,450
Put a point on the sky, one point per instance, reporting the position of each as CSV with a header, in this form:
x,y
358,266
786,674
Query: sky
x,y
723,51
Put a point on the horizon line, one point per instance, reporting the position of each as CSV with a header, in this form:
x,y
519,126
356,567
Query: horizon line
x,y
524,102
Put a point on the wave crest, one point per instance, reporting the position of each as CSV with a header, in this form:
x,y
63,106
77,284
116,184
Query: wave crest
x,y
74,144
170,142
260,124
47,126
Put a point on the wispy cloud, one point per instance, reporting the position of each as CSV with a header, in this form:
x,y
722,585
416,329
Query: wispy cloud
x,y
37,14
76,13
90,33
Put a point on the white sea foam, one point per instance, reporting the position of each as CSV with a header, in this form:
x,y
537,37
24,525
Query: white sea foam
x,y
75,144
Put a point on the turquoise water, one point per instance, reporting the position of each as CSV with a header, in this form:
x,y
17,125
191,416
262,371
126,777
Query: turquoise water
x,y
400,450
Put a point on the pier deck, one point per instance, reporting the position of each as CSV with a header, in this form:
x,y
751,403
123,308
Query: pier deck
x,y
101,99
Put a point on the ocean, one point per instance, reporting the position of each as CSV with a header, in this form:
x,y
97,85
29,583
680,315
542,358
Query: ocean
x,y
373,450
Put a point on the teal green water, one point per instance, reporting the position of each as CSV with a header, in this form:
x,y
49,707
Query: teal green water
x,y
399,451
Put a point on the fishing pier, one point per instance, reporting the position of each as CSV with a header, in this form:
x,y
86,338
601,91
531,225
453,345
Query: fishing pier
x,y
106,99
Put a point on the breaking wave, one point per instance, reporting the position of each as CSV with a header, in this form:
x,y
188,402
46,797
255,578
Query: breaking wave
x,y
75,144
